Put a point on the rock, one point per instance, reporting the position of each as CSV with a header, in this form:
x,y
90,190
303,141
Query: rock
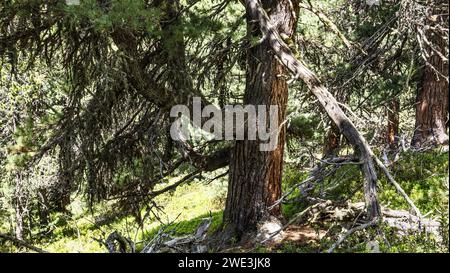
x,y
267,231
373,247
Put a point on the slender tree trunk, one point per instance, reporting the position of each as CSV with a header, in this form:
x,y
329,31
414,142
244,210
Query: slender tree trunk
x,y
393,113
18,207
332,141
43,207
432,94
60,194
255,176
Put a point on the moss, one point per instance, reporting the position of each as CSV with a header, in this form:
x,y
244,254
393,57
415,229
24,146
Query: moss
x,y
189,226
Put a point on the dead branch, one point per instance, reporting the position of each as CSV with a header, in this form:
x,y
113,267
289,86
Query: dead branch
x,y
316,175
325,98
398,187
22,243
350,232
347,214
192,243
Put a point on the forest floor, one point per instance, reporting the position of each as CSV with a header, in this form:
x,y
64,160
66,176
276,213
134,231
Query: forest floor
x,y
424,177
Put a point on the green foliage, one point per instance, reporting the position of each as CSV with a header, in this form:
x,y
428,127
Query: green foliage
x,y
116,14
95,81
291,177
305,125
187,227
75,232
423,176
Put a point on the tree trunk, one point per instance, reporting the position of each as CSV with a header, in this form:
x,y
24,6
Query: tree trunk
x,y
432,95
326,100
393,122
18,207
332,141
43,207
255,176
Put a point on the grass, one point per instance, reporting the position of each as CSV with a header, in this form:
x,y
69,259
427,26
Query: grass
x,y
185,207
423,176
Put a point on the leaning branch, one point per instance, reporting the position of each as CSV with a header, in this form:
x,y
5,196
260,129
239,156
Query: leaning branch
x,y
325,98
173,186
398,188
350,232
328,23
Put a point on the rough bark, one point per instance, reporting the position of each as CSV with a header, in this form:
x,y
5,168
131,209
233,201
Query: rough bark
x,y
432,92
332,141
255,176
393,123
326,100
432,99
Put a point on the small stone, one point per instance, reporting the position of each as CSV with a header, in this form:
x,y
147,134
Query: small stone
x,y
373,247
268,231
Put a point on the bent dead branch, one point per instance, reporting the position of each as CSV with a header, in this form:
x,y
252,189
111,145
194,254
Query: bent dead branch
x,y
326,99
332,26
331,107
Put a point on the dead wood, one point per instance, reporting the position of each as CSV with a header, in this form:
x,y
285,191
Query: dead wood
x,y
163,241
21,243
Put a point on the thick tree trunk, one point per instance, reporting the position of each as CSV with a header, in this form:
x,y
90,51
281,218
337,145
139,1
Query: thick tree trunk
x,y
326,100
255,176
432,106
432,94
393,123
